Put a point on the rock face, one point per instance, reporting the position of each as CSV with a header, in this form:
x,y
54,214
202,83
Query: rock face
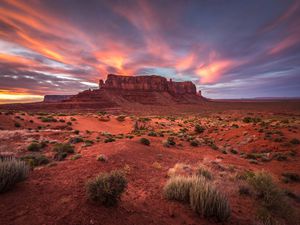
x,y
147,83
56,98
127,91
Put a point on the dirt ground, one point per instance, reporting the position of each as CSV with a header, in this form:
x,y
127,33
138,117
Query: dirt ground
x,y
55,193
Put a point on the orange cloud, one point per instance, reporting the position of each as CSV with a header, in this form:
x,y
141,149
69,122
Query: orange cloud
x,y
211,73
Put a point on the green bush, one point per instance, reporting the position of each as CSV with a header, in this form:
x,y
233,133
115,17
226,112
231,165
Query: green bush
x,y
12,171
295,141
144,141
207,201
152,134
178,188
35,159
199,129
35,146
59,156
75,157
17,124
63,147
106,188
48,119
121,118
109,139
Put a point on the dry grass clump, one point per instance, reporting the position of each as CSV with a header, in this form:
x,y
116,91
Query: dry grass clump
x,y
178,188
106,188
271,197
12,171
204,198
202,171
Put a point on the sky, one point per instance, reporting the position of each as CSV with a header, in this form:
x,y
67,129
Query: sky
x,y
228,48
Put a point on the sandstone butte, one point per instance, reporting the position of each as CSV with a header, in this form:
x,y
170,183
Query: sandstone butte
x,y
118,90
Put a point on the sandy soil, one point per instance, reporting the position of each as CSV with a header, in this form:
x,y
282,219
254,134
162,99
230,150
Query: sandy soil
x,y
55,193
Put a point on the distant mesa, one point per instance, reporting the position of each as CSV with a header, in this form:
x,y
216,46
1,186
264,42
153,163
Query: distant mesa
x,y
56,98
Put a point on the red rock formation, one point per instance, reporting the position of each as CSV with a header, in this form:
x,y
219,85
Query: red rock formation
x,y
147,83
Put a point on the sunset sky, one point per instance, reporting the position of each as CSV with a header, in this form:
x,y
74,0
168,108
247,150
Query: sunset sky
x,y
228,48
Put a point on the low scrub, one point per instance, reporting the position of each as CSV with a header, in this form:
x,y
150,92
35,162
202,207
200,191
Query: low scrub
x,y
121,118
35,159
62,150
272,198
12,171
204,198
199,129
106,188
144,141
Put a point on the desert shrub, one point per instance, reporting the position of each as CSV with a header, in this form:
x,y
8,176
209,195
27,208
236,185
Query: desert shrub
x,y
244,190
35,146
109,139
233,151
106,188
76,131
75,140
152,134
291,177
194,143
75,157
88,143
170,142
59,156
48,119
35,159
12,171
73,119
121,118
251,120
102,158
144,141
199,129
271,196
104,118
69,123
204,172
17,124
63,147
295,141
178,188
206,200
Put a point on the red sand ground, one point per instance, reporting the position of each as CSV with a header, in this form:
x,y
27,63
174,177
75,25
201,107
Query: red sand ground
x,y
56,194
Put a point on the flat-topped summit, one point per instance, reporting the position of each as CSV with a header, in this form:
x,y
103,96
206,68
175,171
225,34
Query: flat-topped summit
x,y
147,83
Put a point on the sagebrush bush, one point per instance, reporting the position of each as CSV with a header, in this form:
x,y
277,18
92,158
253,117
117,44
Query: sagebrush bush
x,y
106,188
178,188
35,159
144,141
207,201
12,171
199,129
63,147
